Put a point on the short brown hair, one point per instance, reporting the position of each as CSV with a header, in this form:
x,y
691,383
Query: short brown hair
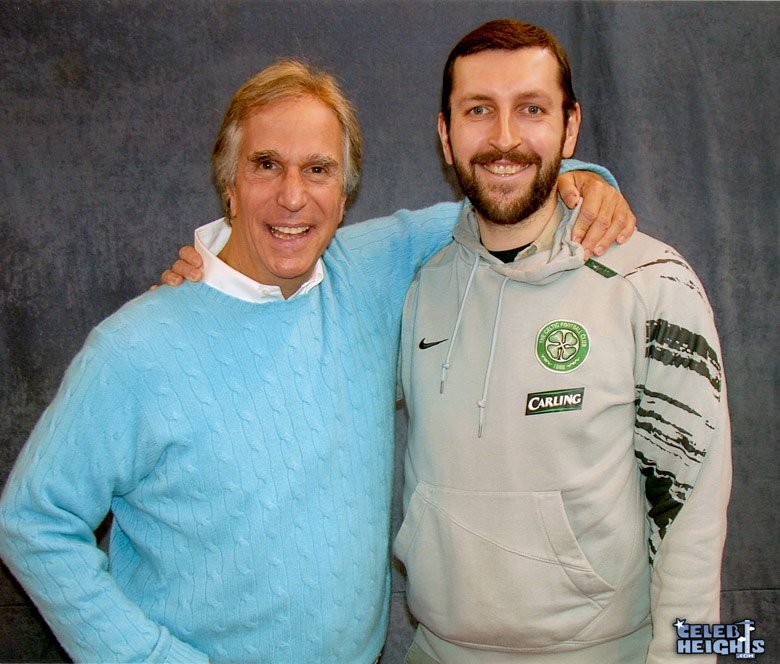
x,y
283,80
507,34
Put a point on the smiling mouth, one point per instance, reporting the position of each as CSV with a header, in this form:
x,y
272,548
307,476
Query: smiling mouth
x,y
504,169
289,232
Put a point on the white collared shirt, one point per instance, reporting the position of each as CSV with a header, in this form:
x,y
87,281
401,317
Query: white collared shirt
x,y
210,240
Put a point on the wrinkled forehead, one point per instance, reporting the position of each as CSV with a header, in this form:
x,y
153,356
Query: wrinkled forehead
x,y
300,123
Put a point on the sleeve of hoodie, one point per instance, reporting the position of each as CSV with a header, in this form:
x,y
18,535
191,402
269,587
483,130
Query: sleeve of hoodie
x,y
90,444
390,250
682,442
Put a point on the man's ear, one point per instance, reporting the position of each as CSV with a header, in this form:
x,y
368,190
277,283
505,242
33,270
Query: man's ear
x,y
231,194
571,132
444,137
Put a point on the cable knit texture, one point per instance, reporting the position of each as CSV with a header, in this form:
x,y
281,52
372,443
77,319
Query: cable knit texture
x,y
245,451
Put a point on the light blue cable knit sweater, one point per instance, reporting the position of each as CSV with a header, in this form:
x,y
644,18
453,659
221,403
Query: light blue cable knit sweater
x,y
245,451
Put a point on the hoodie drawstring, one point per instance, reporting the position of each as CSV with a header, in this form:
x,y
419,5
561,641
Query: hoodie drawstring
x,y
482,403
446,364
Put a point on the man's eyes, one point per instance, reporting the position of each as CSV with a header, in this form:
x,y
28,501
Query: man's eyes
x,y
531,109
272,167
264,164
324,171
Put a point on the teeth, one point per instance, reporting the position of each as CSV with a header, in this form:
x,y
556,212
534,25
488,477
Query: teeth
x,y
501,169
288,231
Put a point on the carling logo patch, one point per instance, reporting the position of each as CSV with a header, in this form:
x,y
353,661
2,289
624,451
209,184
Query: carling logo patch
x,y
555,401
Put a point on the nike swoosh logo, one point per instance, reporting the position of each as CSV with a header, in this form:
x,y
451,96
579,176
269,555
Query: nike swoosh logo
x,y
424,344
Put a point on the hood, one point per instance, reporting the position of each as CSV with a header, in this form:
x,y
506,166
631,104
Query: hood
x,y
535,265
541,263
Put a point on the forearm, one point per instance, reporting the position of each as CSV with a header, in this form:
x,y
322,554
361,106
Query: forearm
x,y
55,558
686,575
79,456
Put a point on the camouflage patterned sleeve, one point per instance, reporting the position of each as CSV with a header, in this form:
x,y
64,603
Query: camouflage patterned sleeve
x,y
682,444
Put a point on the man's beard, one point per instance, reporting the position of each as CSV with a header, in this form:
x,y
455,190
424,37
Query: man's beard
x,y
487,200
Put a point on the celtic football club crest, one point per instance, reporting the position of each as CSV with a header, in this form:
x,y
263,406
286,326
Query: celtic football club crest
x,y
562,345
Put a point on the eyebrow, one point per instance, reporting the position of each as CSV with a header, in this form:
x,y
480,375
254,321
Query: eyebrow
x,y
262,155
529,95
324,161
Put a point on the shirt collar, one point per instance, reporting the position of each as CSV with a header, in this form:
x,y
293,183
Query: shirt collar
x,y
210,240
546,238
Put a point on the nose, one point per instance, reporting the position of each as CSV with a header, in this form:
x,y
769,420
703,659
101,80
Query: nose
x,y
506,132
292,194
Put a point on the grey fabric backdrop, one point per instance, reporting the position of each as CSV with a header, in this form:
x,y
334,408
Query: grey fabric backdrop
x,y
108,111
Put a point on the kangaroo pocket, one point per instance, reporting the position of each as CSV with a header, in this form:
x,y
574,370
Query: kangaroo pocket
x,y
499,570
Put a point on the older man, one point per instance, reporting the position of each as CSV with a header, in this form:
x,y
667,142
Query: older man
x,y
568,464
239,430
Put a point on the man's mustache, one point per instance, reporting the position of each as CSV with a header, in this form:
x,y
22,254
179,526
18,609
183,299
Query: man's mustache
x,y
513,156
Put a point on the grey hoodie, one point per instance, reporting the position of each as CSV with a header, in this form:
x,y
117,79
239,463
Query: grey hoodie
x,y
568,424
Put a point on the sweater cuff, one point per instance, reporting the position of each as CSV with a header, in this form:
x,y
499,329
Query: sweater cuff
x,y
577,165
